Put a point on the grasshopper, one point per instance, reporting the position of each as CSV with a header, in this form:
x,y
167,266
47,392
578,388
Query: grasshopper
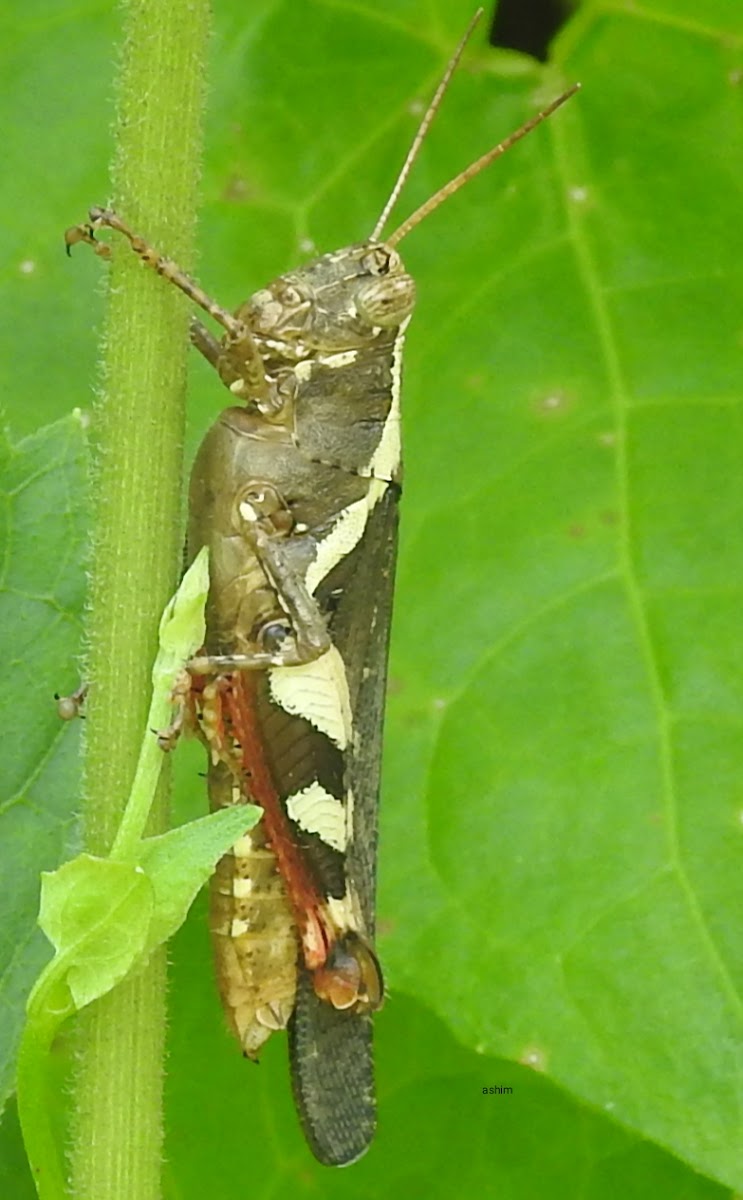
x,y
295,491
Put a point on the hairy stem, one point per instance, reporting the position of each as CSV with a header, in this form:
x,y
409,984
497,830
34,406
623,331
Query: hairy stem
x,y
137,436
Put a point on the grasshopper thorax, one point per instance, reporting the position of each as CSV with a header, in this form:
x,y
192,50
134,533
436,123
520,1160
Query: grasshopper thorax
x,y
340,301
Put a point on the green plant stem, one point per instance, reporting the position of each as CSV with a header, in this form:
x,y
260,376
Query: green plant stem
x,y
137,435
51,1006
182,632
150,766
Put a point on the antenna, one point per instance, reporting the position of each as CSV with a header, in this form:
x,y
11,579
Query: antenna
x,y
473,169
424,126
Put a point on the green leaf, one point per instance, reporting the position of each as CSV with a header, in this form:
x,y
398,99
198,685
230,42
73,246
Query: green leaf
x,y
569,681
43,582
104,918
180,862
96,913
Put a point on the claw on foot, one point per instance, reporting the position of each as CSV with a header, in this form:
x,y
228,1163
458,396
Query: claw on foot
x,y
85,233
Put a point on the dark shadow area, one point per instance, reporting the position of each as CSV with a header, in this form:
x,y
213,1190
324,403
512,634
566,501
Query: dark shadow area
x,y
528,25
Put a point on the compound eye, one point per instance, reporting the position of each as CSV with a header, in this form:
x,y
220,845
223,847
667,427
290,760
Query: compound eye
x,y
273,636
387,301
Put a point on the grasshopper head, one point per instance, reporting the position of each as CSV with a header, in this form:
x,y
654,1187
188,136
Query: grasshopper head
x,y
341,301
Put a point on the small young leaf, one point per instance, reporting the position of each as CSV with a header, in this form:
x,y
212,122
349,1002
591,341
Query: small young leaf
x,y
180,861
104,918
182,625
96,914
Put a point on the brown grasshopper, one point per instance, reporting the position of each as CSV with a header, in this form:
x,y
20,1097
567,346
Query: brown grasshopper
x,y
295,491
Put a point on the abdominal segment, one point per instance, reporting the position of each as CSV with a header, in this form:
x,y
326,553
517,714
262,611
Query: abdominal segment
x,y
253,929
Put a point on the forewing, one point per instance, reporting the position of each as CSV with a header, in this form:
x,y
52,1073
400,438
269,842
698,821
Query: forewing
x,y
330,1050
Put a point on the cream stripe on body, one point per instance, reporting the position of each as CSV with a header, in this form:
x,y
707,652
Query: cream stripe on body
x,y
344,536
385,461
383,466
315,810
317,691
344,912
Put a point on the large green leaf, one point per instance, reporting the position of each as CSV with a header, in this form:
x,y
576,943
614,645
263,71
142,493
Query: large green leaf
x,y
560,875
42,487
